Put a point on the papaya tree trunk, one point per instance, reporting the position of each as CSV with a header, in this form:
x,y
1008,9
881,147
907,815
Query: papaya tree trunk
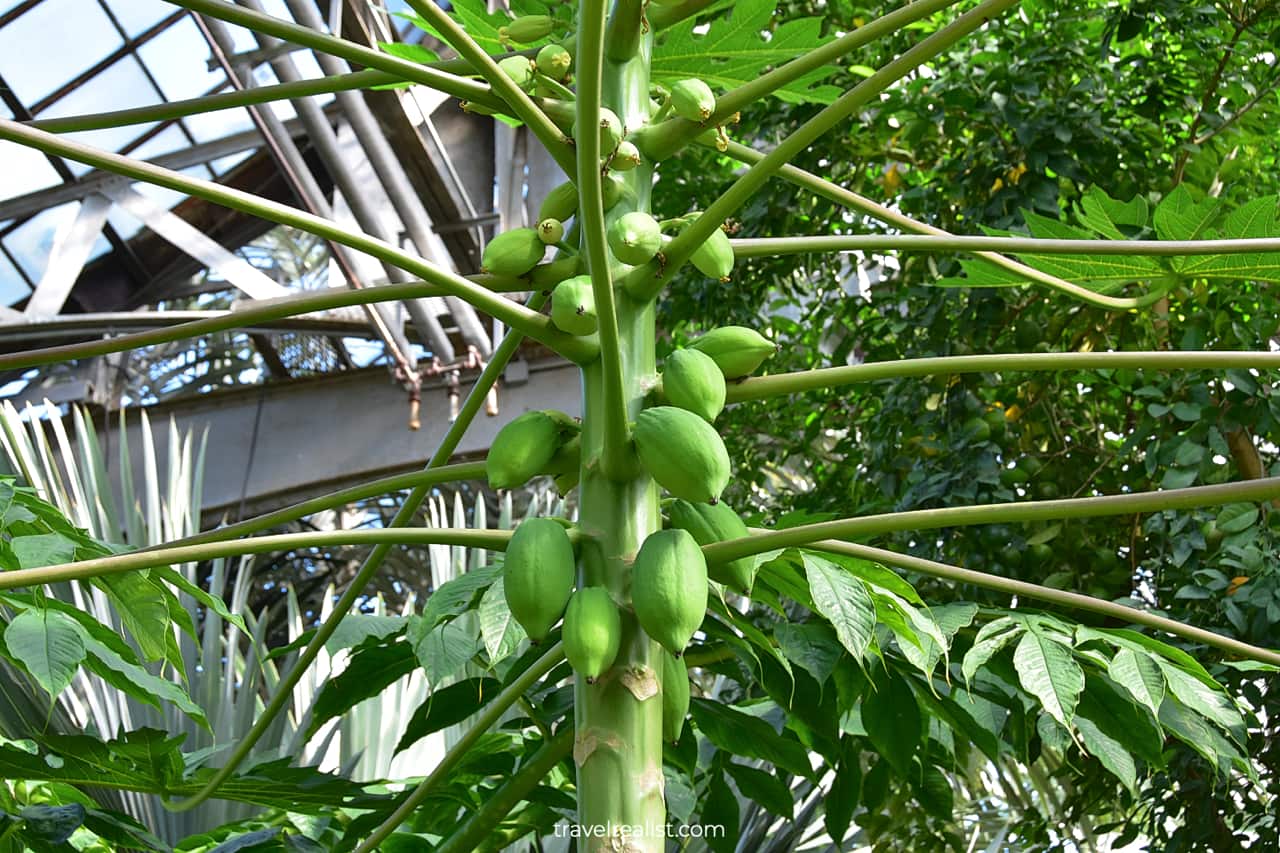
x,y
618,745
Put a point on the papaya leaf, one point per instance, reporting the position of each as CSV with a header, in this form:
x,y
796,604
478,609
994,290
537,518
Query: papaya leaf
x,y
48,645
1048,671
744,735
1179,216
446,707
734,51
372,669
892,720
844,601
1140,675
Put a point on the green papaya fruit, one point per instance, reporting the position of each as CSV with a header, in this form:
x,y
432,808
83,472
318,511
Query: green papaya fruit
x,y
537,577
554,61
692,99
560,203
513,252
568,457
524,447
609,128
715,256
634,238
669,588
550,230
675,696
626,157
566,482
692,380
573,306
519,69
526,29
547,276
682,452
592,632
711,523
736,350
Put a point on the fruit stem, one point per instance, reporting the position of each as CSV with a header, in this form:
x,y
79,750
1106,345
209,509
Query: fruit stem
x,y
166,556
616,454
503,86
484,721
562,91
645,282
852,200
403,69
780,384
404,516
1248,491
497,805
528,322
773,246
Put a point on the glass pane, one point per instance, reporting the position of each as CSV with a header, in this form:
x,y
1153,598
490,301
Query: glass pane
x,y
25,170
138,15
166,141
12,286
121,85
44,37
176,60
225,164
32,241
209,126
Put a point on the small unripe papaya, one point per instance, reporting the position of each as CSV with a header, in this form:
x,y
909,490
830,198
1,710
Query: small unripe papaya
x,y
526,29
692,380
682,452
547,276
626,158
669,588
573,306
537,578
554,61
565,482
513,252
560,203
635,237
568,457
715,256
675,696
592,632
711,523
550,230
521,449
736,350
519,69
693,100
609,128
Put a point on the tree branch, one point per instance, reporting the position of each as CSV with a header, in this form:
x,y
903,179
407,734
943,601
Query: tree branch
x,y
486,719
777,385
528,322
1024,511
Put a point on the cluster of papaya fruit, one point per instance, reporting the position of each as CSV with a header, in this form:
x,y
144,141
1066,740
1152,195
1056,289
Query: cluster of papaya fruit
x,y
634,238
677,445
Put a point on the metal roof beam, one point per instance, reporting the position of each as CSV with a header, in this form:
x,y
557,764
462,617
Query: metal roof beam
x,y
97,181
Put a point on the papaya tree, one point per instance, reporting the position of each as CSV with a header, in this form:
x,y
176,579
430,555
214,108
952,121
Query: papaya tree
x,y
790,663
